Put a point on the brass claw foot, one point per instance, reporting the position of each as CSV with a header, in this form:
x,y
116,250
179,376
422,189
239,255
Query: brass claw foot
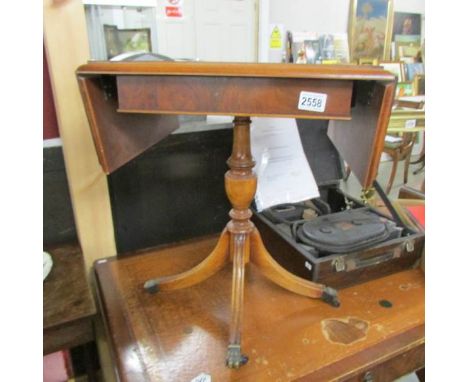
x,y
234,358
330,296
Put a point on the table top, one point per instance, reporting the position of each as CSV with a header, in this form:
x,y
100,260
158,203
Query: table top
x,y
177,335
66,294
231,69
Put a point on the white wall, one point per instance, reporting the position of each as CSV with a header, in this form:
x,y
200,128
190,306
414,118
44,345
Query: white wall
x,y
321,16
325,16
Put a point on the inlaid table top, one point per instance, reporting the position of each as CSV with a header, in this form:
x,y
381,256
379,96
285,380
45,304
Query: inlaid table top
x,y
177,335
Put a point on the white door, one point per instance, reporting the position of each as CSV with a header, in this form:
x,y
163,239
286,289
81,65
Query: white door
x,y
209,30
176,35
226,30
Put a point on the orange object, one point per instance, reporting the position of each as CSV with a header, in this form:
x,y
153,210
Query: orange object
x,y
419,213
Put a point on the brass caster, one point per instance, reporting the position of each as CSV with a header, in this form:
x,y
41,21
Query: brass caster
x,y
151,286
330,296
234,358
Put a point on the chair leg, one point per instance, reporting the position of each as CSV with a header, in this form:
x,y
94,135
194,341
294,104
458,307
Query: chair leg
x,y
407,163
422,167
396,159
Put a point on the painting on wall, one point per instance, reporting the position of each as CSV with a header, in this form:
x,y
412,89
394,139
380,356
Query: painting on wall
x,y
406,24
370,25
126,40
406,34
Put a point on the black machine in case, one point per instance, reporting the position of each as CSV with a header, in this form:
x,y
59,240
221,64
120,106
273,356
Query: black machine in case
x,y
335,239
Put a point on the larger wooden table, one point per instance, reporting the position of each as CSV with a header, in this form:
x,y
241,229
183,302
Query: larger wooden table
x,y
377,334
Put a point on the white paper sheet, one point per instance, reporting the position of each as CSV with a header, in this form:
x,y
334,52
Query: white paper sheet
x,y
284,175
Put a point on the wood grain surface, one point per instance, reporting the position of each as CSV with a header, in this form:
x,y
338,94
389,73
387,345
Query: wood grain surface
x,y
226,69
176,335
68,307
236,96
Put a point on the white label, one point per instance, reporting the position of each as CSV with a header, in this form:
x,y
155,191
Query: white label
x,y
312,101
410,123
308,265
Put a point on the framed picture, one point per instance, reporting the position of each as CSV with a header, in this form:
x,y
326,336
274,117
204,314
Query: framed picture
x,y
112,41
411,70
394,67
406,24
370,28
368,61
312,51
419,84
404,89
126,40
407,49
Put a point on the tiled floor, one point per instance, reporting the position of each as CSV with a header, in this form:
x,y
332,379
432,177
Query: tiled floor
x,y
353,187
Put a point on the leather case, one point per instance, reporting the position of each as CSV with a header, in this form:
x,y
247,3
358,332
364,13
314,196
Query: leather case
x,y
349,242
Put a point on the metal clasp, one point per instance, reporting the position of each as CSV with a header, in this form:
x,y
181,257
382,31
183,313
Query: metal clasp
x,y
409,245
367,195
340,264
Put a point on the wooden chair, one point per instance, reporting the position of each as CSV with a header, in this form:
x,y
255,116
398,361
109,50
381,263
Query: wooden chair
x,y
422,157
400,151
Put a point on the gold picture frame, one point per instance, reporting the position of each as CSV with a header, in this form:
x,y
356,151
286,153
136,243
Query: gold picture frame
x,y
370,29
404,89
406,49
419,84
120,41
368,61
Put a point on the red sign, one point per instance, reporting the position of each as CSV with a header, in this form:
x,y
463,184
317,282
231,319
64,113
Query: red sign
x,y
173,12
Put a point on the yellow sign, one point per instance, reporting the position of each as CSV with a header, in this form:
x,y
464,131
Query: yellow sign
x,y
276,41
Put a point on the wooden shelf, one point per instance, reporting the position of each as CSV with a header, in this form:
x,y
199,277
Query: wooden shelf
x,y
68,307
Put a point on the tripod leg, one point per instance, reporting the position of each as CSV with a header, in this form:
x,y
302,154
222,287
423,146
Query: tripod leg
x,y
240,182
240,251
396,159
208,267
280,276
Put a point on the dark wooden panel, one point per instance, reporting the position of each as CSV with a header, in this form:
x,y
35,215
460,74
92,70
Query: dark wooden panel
x,y
172,192
240,96
68,307
119,137
360,141
324,160
57,217
67,336
182,176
